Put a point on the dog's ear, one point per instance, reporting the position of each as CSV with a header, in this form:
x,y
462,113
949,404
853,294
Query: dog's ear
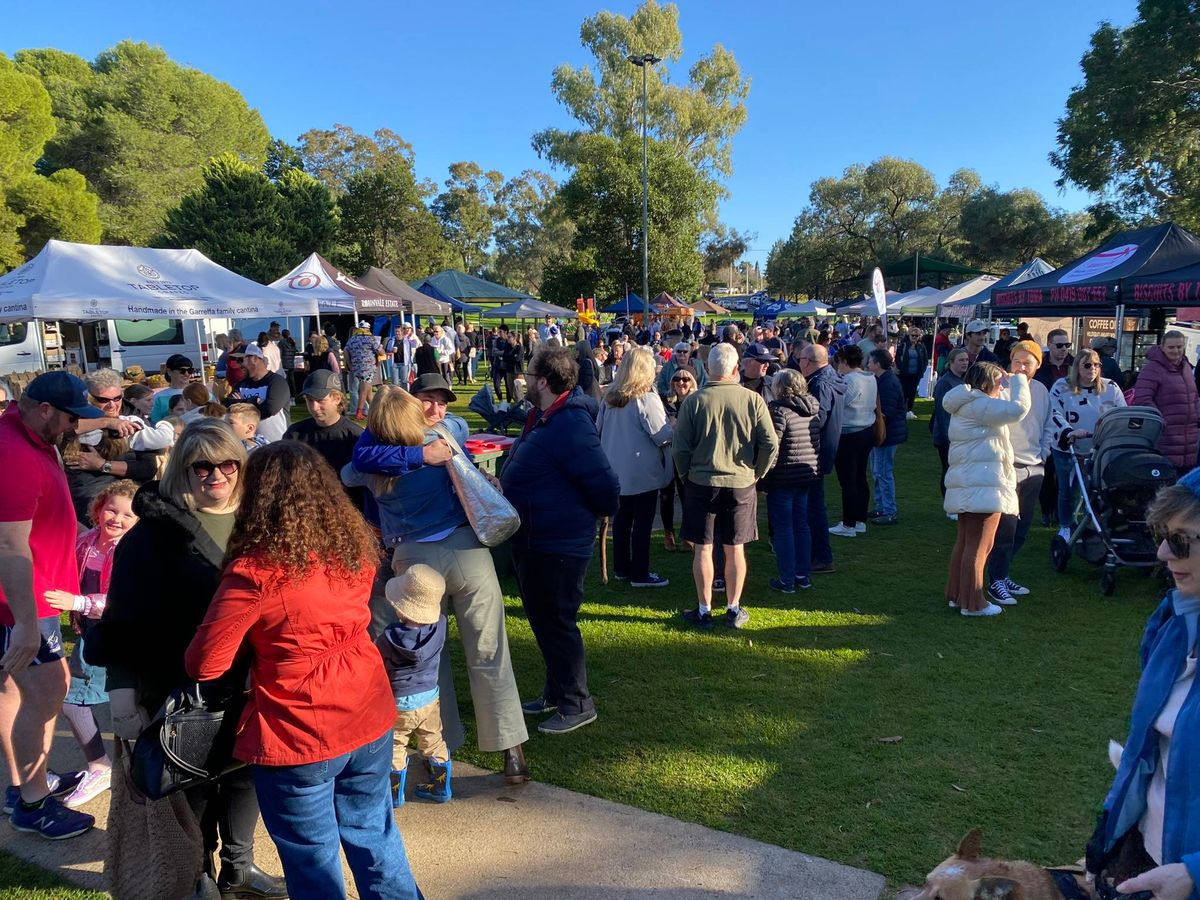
x,y
969,846
991,887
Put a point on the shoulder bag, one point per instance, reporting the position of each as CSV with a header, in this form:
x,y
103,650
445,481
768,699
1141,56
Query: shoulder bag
x,y
190,741
493,519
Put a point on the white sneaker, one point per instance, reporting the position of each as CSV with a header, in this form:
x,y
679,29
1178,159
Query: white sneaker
x,y
94,783
860,527
842,531
1065,534
1017,590
990,610
910,416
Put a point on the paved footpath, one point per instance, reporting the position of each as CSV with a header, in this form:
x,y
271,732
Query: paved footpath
x,y
532,842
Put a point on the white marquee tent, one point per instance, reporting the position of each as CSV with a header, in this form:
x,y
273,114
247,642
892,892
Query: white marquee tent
x,y
87,282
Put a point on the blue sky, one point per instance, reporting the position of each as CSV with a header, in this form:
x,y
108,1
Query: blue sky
x,y
948,84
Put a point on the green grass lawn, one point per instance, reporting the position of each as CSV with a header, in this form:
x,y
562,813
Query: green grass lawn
x,y
774,732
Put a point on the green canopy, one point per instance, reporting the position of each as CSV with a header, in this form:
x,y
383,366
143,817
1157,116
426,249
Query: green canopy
x,y
462,286
922,264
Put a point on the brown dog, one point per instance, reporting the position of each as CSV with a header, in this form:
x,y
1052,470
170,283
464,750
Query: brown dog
x,y
968,876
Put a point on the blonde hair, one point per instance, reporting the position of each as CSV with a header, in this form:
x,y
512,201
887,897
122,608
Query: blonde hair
x,y
123,487
205,440
396,417
245,412
1073,375
634,377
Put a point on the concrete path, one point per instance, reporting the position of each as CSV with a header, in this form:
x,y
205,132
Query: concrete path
x,y
532,842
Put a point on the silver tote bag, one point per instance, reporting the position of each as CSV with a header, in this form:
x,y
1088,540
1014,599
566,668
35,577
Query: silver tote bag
x,y
493,519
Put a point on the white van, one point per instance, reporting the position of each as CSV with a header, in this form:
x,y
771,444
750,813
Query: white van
x,y
118,343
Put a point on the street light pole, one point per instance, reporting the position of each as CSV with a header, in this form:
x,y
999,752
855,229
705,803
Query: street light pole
x,y
645,61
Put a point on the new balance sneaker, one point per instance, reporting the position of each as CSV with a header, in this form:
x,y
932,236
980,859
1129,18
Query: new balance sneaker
x,y
860,527
51,820
844,531
990,610
784,587
998,593
697,619
60,786
803,583
538,707
737,617
95,782
653,580
1017,590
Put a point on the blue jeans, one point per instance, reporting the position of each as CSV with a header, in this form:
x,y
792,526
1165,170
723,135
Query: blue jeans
x,y
309,809
787,511
883,467
818,525
400,375
1064,470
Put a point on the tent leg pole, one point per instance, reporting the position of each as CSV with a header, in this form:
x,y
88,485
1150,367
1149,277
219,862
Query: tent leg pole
x,y
1120,333
41,343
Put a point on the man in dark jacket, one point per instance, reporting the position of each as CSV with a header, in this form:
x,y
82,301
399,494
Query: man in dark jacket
x,y
827,386
1055,365
559,480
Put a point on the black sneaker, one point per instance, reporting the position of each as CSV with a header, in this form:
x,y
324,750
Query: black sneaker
x,y
718,586
784,587
803,583
698,619
653,580
892,519
822,569
538,707
736,618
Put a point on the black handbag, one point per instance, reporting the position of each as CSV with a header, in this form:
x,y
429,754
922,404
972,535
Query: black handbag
x,y
190,741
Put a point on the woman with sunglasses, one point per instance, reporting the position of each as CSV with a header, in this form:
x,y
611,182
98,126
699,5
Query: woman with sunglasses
x,y
1076,403
1148,834
164,576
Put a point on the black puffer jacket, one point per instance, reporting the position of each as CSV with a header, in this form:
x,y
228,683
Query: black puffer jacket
x,y
164,575
799,432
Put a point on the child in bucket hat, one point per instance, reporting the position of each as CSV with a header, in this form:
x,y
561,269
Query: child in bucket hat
x,y
412,649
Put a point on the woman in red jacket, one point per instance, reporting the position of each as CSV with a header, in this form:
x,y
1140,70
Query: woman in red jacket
x,y
297,579
1168,384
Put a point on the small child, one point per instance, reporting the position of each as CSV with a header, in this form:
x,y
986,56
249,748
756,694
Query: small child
x,y
244,418
412,649
112,514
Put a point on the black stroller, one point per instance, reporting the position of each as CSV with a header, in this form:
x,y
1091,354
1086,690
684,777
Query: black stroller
x,y
499,416
1117,481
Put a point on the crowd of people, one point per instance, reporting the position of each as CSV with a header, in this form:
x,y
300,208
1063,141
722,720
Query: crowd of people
x,y
319,561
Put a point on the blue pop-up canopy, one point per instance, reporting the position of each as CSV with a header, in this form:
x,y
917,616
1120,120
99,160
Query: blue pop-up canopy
x,y
633,304
429,289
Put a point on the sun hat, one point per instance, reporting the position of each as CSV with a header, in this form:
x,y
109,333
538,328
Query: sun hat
x,y
417,594
64,392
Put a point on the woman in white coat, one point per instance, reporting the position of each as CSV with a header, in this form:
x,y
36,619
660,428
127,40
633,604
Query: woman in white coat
x,y
980,482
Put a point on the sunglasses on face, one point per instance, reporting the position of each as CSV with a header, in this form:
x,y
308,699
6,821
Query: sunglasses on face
x,y
1062,345
683,380
106,401
1178,543
1088,366
203,468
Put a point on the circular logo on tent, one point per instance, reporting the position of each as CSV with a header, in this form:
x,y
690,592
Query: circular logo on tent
x,y
93,302
148,271
304,281
1099,263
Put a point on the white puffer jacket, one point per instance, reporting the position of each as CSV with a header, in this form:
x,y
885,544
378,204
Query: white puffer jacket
x,y
981,478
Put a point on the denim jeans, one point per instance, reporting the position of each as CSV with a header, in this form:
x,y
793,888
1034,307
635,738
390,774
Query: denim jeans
x,y
818,525
787,511
1064,471
883,467
310,809
400,374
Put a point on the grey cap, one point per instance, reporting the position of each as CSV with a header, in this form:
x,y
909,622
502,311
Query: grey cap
x,y
320,384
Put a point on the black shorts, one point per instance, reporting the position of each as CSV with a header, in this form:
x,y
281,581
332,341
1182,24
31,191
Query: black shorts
x,y
49,650
731,513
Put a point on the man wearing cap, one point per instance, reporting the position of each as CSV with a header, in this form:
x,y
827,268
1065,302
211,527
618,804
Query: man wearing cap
x,y
37,554
975,340
267,390
180,370
1030,439
328,432
756,364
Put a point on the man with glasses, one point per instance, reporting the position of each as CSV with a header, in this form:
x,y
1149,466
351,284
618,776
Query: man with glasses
x,y
180,372
827,386
37,554
1056,364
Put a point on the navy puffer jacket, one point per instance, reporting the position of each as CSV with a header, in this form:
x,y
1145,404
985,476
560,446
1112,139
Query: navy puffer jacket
x,y
559,480
895,411
799,431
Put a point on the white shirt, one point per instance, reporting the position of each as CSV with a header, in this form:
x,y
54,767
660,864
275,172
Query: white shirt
x,y
271,353
1151,824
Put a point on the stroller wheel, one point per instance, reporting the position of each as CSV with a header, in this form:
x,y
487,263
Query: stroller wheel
x,y
1060,554
1108,583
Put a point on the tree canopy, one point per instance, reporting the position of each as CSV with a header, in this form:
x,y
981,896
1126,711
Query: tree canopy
x,y
1131,133
468,211
140,128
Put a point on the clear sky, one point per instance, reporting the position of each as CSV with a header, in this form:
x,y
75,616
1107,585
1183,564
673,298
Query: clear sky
x,y
948,84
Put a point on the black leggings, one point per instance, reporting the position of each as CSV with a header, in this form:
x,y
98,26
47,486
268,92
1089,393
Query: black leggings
x,y
944,457
853,454
909,385
229,808
631,528
666,504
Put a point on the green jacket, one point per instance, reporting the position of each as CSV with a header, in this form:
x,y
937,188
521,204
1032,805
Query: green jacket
x,y
724,437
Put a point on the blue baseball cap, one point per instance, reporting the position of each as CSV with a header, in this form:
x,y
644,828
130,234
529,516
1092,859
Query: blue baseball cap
x,y
64,392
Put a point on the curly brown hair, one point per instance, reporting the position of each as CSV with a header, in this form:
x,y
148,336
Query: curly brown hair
x,y
295,515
